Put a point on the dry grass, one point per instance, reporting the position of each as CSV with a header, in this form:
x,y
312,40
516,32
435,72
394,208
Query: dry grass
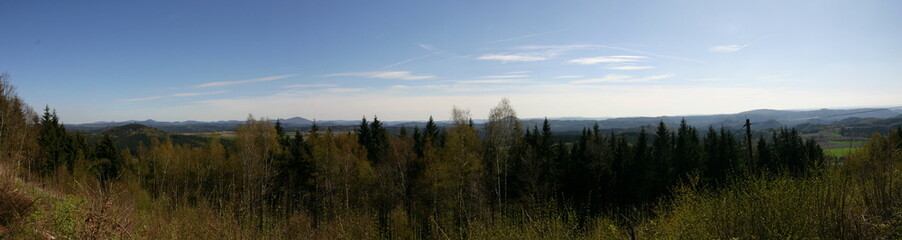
x,y
14,204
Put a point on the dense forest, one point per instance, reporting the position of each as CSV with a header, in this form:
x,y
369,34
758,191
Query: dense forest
x,y
499,180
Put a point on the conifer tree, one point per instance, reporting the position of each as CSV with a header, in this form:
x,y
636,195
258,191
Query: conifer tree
x,y
419,141
107,163
764,156
363,132
686,150
55,143
640,171
280,131
402,133
662,156
432,133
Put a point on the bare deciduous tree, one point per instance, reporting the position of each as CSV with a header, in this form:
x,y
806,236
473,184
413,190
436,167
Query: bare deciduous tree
x,y
501,130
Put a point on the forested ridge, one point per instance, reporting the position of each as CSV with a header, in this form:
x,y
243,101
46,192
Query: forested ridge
x,y
498,180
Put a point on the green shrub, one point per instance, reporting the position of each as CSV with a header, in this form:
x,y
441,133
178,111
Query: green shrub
x,y
858,199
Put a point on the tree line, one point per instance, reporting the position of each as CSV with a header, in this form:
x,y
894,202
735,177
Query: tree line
x,y
433,179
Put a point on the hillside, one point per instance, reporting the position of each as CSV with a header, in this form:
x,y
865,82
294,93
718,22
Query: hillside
x,y
133,135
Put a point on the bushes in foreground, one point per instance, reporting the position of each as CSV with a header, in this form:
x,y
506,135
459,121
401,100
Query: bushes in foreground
x,y
857,199
14,204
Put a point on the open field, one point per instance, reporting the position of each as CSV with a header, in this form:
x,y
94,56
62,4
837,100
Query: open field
x,y
841,151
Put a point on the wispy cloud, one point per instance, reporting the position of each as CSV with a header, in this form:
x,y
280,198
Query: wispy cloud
x,y
428,47
191,94
655,77
614,78
489,81
504,76
506,58
549,51
314,85
186,94
139,99
406,61
704,79
726,48
623,62
226,83
606,78
520,37
344,90
731,47
531,53
629,67
402,75
607,59
558,48
568,76
650,54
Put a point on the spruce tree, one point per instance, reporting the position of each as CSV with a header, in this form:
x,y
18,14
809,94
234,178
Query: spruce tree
x,y
403,132
363,132
686,150
764,156
107,163
662,150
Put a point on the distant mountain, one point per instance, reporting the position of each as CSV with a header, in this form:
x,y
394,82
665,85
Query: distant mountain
x,y
296,121
761,119
185,126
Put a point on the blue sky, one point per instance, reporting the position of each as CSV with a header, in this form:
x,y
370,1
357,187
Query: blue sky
x,y
407,60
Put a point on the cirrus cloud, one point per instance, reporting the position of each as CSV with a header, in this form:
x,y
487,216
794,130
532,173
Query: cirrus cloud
x,y
629,67
615,78
226,83
186,94
607,59
506,58
402,75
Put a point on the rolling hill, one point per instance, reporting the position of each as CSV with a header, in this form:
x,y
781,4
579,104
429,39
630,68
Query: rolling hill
x,y
764,119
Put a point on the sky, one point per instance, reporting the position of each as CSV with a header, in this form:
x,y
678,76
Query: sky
x,y
408,60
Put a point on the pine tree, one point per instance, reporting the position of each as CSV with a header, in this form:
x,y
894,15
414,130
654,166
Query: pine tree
x,y
419,141
640,169
280,131
686,150
662,165
377,145
107,163
765,163
547,140
363,132
403,132
57,144
432,133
